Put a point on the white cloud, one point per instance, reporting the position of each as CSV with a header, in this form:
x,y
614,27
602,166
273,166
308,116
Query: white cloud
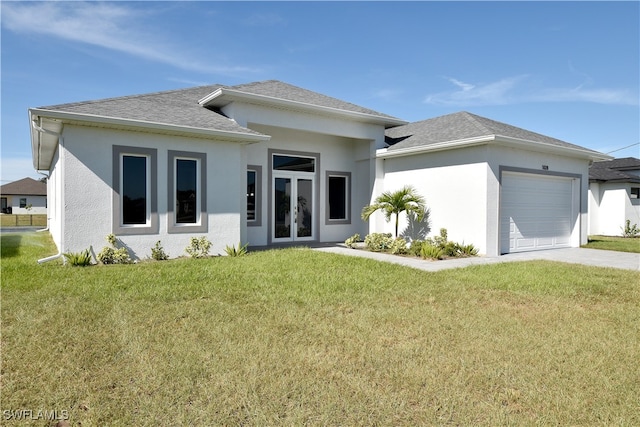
x,y
111,26
495,93
517,89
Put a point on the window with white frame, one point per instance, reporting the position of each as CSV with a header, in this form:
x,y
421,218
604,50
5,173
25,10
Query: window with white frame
x,y
338,207
187,192
134,183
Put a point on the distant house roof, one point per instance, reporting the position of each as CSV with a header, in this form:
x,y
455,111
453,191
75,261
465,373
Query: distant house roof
x,y
464,128
24,187
616,170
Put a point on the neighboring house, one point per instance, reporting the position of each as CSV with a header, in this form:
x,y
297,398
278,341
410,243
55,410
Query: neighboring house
x,y
25,196
614,195
269,163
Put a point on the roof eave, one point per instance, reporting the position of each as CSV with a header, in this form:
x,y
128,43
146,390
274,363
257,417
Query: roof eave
x,y
224,96
448,145
556,149
166,127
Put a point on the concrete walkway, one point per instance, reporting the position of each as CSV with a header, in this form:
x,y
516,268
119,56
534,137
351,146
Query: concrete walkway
x,y
594,257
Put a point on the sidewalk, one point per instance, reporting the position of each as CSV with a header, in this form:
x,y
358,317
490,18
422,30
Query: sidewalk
x,y
593,257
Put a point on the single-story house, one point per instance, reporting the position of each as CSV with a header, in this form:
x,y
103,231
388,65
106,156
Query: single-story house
x,y
614,195
267,163
24,196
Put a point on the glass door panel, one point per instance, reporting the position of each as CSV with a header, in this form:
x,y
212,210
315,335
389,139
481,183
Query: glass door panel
x,y
304,209
282,208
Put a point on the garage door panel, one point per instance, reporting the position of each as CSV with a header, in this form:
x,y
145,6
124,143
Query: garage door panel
x,y
536,212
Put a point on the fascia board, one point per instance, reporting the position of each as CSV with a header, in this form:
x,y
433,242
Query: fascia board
x,y
556,149
92,118
216,99
467,142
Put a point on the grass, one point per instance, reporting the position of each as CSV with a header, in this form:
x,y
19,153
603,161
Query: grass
x,y
298,337
611,243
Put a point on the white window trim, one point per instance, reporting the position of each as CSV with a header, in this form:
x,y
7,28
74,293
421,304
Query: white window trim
x,y
347,219
151,226
202,224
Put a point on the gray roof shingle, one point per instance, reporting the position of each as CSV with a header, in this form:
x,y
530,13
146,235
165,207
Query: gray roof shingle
x,y
281,90
176,107
615,170
460,126
181,108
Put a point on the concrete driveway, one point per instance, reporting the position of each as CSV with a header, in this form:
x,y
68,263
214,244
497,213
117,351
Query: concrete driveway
x,y
594,257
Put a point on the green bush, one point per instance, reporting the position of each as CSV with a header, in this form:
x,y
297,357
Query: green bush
x,y
158,253
378,242
240,251
467,250
78,259
399,246
198,247
112,254
415,248
630,230
351,241
429,251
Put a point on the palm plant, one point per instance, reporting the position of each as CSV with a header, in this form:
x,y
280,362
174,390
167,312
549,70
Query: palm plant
x,y
394,203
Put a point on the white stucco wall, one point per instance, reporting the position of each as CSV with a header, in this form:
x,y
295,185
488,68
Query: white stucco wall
x,y
610,207
88,180
336,154
462,188
454,184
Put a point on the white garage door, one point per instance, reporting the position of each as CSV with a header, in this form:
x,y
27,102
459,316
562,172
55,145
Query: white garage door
x,y
536,212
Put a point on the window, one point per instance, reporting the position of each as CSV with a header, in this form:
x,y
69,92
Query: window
x,y
23,202
135,190
338,198
635,193
134,184
254,194
293,163
187,192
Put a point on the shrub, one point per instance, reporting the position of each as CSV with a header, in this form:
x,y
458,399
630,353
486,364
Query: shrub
x,y
79,259
630,230
240,251
351,241
378,242
399,246
467,250
198,247
416,247
158,253
429,251
112,254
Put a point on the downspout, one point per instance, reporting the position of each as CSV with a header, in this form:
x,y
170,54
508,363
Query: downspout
x,y
46,176
40,129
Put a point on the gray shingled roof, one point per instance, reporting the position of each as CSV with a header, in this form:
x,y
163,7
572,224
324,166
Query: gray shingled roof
x,y
460,126
278,89
24,187
614,170
176,107
181,108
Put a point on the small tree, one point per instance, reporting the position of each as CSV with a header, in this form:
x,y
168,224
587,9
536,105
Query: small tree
x,y
394,203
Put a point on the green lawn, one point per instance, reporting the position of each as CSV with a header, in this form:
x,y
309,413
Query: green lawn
x,y
611,243
299,337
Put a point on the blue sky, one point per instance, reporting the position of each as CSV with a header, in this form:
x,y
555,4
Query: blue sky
x,y
569,70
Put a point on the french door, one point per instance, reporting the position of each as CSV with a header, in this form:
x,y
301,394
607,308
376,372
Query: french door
x,y
293,210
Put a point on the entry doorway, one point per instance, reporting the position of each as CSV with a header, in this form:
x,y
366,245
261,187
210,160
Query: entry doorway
x,y
293,208
294,196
